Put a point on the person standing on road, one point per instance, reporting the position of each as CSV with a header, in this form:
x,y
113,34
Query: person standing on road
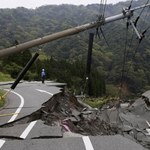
x,y
43,75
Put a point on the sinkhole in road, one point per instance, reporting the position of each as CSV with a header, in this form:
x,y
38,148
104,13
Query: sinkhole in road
x,y
64,110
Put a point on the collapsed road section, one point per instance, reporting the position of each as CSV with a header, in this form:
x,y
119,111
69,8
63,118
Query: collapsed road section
x,y
73,118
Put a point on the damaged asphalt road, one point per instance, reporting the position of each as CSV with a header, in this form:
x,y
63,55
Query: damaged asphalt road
x,y
64,116
132,121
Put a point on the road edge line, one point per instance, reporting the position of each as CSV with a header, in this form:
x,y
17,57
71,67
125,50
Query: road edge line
x,y
18,109
2,142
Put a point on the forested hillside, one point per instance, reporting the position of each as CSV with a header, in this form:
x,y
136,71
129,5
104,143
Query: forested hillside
x,y
69,54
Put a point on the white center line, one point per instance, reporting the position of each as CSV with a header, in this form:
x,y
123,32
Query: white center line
x,y
43,91
2,142
148,123
27,130
87,143
148,130
31,125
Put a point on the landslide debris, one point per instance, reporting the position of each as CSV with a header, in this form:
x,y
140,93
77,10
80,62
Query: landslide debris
x,y
63,109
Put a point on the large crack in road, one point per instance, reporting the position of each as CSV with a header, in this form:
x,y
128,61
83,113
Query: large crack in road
x,y
63,110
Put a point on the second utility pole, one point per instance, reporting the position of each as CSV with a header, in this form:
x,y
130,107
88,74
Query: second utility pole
x,y
89,62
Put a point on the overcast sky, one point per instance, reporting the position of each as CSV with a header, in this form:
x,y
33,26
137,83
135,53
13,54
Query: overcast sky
x,y
37,3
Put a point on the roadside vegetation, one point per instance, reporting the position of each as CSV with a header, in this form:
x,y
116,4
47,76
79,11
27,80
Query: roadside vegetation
x,y
111,95
2,100
5,77
100,101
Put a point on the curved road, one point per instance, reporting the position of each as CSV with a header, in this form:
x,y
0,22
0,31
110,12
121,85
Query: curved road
x,y
26,98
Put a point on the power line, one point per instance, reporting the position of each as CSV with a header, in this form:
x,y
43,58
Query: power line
x,y
104,37
101,19
135,22
125,56
100,7
147,13
124,60
136,49
132,59
144,8
130,4
104,8
137,19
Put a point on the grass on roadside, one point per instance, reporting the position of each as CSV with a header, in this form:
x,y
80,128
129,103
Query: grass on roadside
x,y
5,77
99,102
2,100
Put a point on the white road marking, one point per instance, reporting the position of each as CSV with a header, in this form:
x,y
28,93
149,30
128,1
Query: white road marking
x,y
2,142
148,130
87,143
27,130
31,125
18,109
44,92
148,123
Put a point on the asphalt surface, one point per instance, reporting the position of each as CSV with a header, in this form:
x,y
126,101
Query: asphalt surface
x,y
83,143
28,97
39,130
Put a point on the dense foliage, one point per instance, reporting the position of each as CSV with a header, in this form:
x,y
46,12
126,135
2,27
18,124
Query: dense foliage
x,y
66,58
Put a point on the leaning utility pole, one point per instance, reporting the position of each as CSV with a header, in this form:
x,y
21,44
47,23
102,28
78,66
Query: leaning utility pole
x,y
126,13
